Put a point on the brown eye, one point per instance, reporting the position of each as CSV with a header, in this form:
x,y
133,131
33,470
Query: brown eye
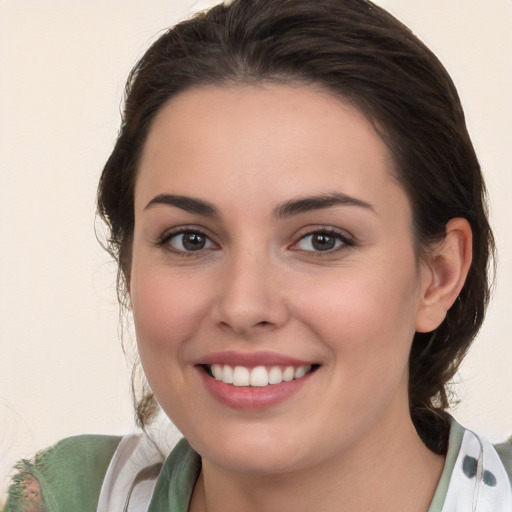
x,y
188,241
323,241
193,241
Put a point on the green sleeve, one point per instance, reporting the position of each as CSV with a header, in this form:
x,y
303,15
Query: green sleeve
x,y
69,474
505,452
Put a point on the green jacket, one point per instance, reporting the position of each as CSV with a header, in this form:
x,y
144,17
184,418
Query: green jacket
x,y
70,475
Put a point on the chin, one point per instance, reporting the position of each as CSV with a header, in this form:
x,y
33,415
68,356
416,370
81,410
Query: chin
x,y
249,449
257,462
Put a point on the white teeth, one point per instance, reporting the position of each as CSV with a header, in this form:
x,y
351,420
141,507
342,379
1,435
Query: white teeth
x,y
275,375
259,376
241,376
227,374
217,371
288,374
300,372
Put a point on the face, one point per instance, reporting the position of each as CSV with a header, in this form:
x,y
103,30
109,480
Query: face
x,y
274,282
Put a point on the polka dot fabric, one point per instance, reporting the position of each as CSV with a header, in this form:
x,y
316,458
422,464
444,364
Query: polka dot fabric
x,y
479,482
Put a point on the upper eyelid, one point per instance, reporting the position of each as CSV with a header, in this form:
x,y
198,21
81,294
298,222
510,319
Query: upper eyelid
x,y
347,242
168,234
177,230
331,230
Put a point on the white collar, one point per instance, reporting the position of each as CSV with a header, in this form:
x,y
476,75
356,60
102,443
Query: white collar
x,y
479,481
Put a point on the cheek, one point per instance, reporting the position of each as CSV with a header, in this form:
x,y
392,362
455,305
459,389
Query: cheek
x,y
366,316
167,311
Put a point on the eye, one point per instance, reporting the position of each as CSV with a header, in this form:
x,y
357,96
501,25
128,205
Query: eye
x,y
322,241
186,241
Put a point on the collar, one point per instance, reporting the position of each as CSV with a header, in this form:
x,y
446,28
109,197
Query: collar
x,y
474,478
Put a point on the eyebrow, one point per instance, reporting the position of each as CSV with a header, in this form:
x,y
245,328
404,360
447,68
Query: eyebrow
x,y
189,204
284,210
309,203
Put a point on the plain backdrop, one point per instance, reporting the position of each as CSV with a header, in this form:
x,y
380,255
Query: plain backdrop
x,y
63,64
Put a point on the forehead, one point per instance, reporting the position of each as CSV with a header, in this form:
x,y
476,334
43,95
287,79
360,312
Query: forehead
x,y
262,139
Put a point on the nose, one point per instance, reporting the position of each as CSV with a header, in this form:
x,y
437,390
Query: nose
x,y
251,298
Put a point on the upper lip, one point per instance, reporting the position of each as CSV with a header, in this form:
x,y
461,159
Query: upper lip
x,y
251,359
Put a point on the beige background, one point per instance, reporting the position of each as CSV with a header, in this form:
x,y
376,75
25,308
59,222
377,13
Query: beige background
x,y
62,70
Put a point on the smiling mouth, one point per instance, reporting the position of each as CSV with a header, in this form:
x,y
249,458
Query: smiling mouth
x,y
258,376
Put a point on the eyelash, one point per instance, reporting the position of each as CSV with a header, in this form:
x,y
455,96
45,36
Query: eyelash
x,y
165,239
341,239
344,241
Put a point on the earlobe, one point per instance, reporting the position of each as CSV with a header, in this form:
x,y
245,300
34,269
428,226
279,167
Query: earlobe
x,y
445,274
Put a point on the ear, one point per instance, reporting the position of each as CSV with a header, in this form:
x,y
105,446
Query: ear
x,y
443,276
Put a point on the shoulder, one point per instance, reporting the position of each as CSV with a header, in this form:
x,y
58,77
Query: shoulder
x,y
73,453
63,477
476,475
505,453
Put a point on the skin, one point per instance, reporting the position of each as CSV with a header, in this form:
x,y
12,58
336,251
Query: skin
x,y
259,285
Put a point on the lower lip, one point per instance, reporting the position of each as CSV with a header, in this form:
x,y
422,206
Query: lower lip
x,y
252,397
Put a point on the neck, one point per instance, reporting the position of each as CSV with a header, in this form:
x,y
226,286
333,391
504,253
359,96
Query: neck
x,y
391,470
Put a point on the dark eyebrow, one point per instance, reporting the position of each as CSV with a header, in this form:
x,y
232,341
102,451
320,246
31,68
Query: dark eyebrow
x,y
308,203
189,204
286,209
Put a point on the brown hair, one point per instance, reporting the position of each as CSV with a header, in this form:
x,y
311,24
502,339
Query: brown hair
x,y
358,52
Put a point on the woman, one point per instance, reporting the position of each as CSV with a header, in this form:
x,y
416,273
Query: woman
x,y
299,219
